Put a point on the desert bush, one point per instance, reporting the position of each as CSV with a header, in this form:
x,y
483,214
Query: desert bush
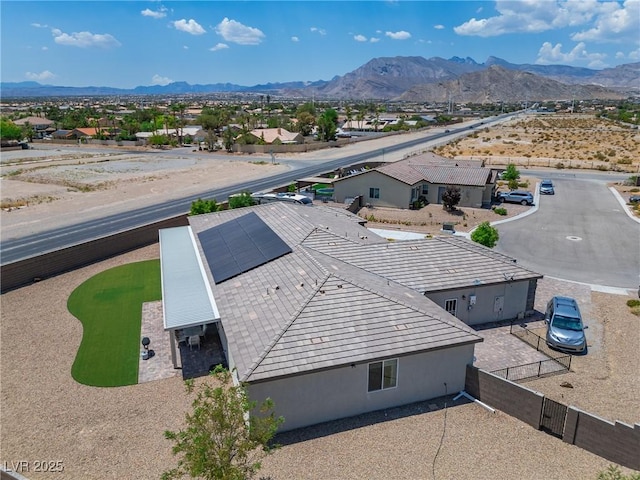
x,y
624,161
500,211
559,165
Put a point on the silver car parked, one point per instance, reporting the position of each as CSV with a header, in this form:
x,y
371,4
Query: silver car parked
x,y
565,330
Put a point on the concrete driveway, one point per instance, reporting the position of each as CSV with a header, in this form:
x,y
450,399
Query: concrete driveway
x,y
582,234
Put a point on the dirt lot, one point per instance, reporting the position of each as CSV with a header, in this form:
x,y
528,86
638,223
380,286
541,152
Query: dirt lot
x,y
556,141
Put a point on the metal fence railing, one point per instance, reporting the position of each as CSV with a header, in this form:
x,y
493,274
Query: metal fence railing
x,y
556,363
535,369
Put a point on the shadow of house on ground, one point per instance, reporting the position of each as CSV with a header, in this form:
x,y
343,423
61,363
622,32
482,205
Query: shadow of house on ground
x,y
351,423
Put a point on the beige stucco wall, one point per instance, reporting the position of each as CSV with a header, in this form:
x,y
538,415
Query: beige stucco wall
x,y
396,194
342,392
485,311
392,192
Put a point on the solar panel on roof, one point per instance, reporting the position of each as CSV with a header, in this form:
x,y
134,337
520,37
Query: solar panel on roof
x,y
240,245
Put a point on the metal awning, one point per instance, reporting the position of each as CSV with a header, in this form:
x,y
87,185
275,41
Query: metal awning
x,y
187,298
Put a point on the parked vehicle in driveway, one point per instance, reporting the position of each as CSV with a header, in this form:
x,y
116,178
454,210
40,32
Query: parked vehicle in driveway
x,y
516,196
546,187
565,330
634,199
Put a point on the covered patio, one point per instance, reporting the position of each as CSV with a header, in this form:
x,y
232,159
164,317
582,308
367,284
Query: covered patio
x,y
190,314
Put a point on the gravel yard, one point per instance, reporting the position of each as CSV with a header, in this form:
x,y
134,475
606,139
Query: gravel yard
x,y
101,433
47,415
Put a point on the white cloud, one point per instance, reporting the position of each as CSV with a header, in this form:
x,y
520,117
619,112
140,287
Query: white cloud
x,y
185,47
374,40
39,77
553,54
614,23
236,32
439,27
321,31
190,26
295,39
360,38
160,80
160,13
84,39
45,48
401,35
603,21
39,25
619,55
219,46
634,55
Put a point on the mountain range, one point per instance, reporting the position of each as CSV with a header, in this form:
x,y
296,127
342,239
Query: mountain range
x,y
412,79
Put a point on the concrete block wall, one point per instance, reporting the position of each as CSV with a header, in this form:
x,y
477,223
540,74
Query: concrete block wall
x,y
509,397
614,441
26,271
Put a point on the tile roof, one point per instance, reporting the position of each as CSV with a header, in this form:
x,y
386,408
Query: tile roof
x,y
436,169
343,295
428,265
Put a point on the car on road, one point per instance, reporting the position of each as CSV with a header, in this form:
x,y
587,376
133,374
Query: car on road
x,y
516,196
565,330
546,187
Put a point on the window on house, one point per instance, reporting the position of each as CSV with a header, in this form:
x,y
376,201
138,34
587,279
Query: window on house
x,y
374,193
451,305
383,375
425,189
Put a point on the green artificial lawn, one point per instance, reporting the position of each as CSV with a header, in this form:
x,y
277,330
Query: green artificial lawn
x,y
109,306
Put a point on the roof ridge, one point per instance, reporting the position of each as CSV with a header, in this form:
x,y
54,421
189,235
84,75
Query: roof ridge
x,y
293,318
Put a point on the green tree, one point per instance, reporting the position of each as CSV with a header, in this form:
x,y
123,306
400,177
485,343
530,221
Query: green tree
x,y
219,443
511,173
229,139
240,200
485,235
9,130
306,121
327,125
201,206
451,197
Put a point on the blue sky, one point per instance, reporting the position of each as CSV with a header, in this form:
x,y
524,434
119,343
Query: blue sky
x,y
128,43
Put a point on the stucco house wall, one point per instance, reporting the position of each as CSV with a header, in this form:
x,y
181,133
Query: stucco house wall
x,y
488,307
342,392
392,192
396,194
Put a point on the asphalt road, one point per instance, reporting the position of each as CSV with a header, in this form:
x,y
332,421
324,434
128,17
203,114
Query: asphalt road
x,y
14,249
581,233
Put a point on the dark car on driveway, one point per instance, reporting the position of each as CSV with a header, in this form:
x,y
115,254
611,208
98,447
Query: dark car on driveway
x,y
634,199
546,187
516,196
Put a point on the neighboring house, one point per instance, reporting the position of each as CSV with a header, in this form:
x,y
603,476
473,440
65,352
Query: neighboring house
x,y
88,132
41,126
426,176
195,132
270,135
62,134
326,318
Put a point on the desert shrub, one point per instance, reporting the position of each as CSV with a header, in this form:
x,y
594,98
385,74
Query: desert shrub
x,y
513,184
485,235
559,165
500,211
633,303
523,184
624,161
